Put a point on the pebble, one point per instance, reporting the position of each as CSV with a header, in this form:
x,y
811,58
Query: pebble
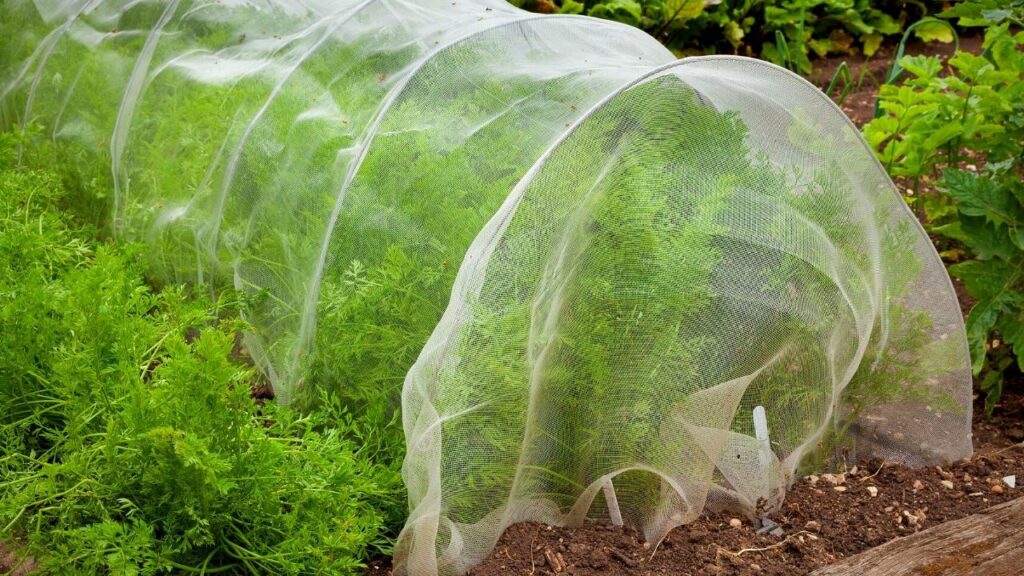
x,y
735,523
834,479
1010,481
913,519
947,484
918,485
813,525
997,489
872,490
755,567
839,488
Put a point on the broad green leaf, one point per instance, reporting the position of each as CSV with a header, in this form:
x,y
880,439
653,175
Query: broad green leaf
x,y
571,7
924,67
981,12
980,322
987,280
981,196
931,31
942,135
871,43
733,33
996,15
625,11
992,386
884,23
1013,334
953,231
679,11
985,240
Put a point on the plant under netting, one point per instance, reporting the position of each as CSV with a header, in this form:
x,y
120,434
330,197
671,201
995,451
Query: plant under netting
x,y
631,286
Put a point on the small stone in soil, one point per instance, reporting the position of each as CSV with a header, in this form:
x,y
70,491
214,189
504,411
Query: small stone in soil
x,y
918,485
947,484
735,523
767,526
872,491
834,479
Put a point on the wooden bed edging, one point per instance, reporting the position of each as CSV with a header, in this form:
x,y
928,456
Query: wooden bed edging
x,y
990,543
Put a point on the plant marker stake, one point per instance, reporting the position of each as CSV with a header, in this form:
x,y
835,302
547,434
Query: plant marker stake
x,y
761,432
613,502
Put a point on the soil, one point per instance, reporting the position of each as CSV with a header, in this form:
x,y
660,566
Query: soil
x,y
11,564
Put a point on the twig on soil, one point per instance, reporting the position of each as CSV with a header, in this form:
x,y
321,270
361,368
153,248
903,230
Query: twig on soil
x,y
552,560
866,478
766,548
1000,451
533,565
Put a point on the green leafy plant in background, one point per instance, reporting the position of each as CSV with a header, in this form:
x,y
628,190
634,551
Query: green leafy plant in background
x,y
957,134
129,440
990,224
786,32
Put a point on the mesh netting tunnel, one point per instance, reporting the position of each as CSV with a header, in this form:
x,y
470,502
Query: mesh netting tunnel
x,y
614,284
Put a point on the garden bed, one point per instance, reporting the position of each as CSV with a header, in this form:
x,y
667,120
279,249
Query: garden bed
x,y
824,519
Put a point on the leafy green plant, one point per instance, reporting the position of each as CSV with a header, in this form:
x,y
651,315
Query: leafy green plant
x,y
931,117
787,32
129,440
936,129
990,223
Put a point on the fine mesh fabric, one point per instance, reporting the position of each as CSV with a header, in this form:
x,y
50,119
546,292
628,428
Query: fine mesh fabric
x,y
637,287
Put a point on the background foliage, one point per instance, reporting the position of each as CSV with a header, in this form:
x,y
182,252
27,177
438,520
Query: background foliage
x,y
787,32
955,131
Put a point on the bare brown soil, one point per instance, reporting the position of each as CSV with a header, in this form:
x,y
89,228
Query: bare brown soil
x,y
824,518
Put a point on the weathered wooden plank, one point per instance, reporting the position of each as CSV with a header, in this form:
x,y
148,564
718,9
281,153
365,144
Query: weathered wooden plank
x,y
990,543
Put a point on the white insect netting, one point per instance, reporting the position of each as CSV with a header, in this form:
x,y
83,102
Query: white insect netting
x,y
618,258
